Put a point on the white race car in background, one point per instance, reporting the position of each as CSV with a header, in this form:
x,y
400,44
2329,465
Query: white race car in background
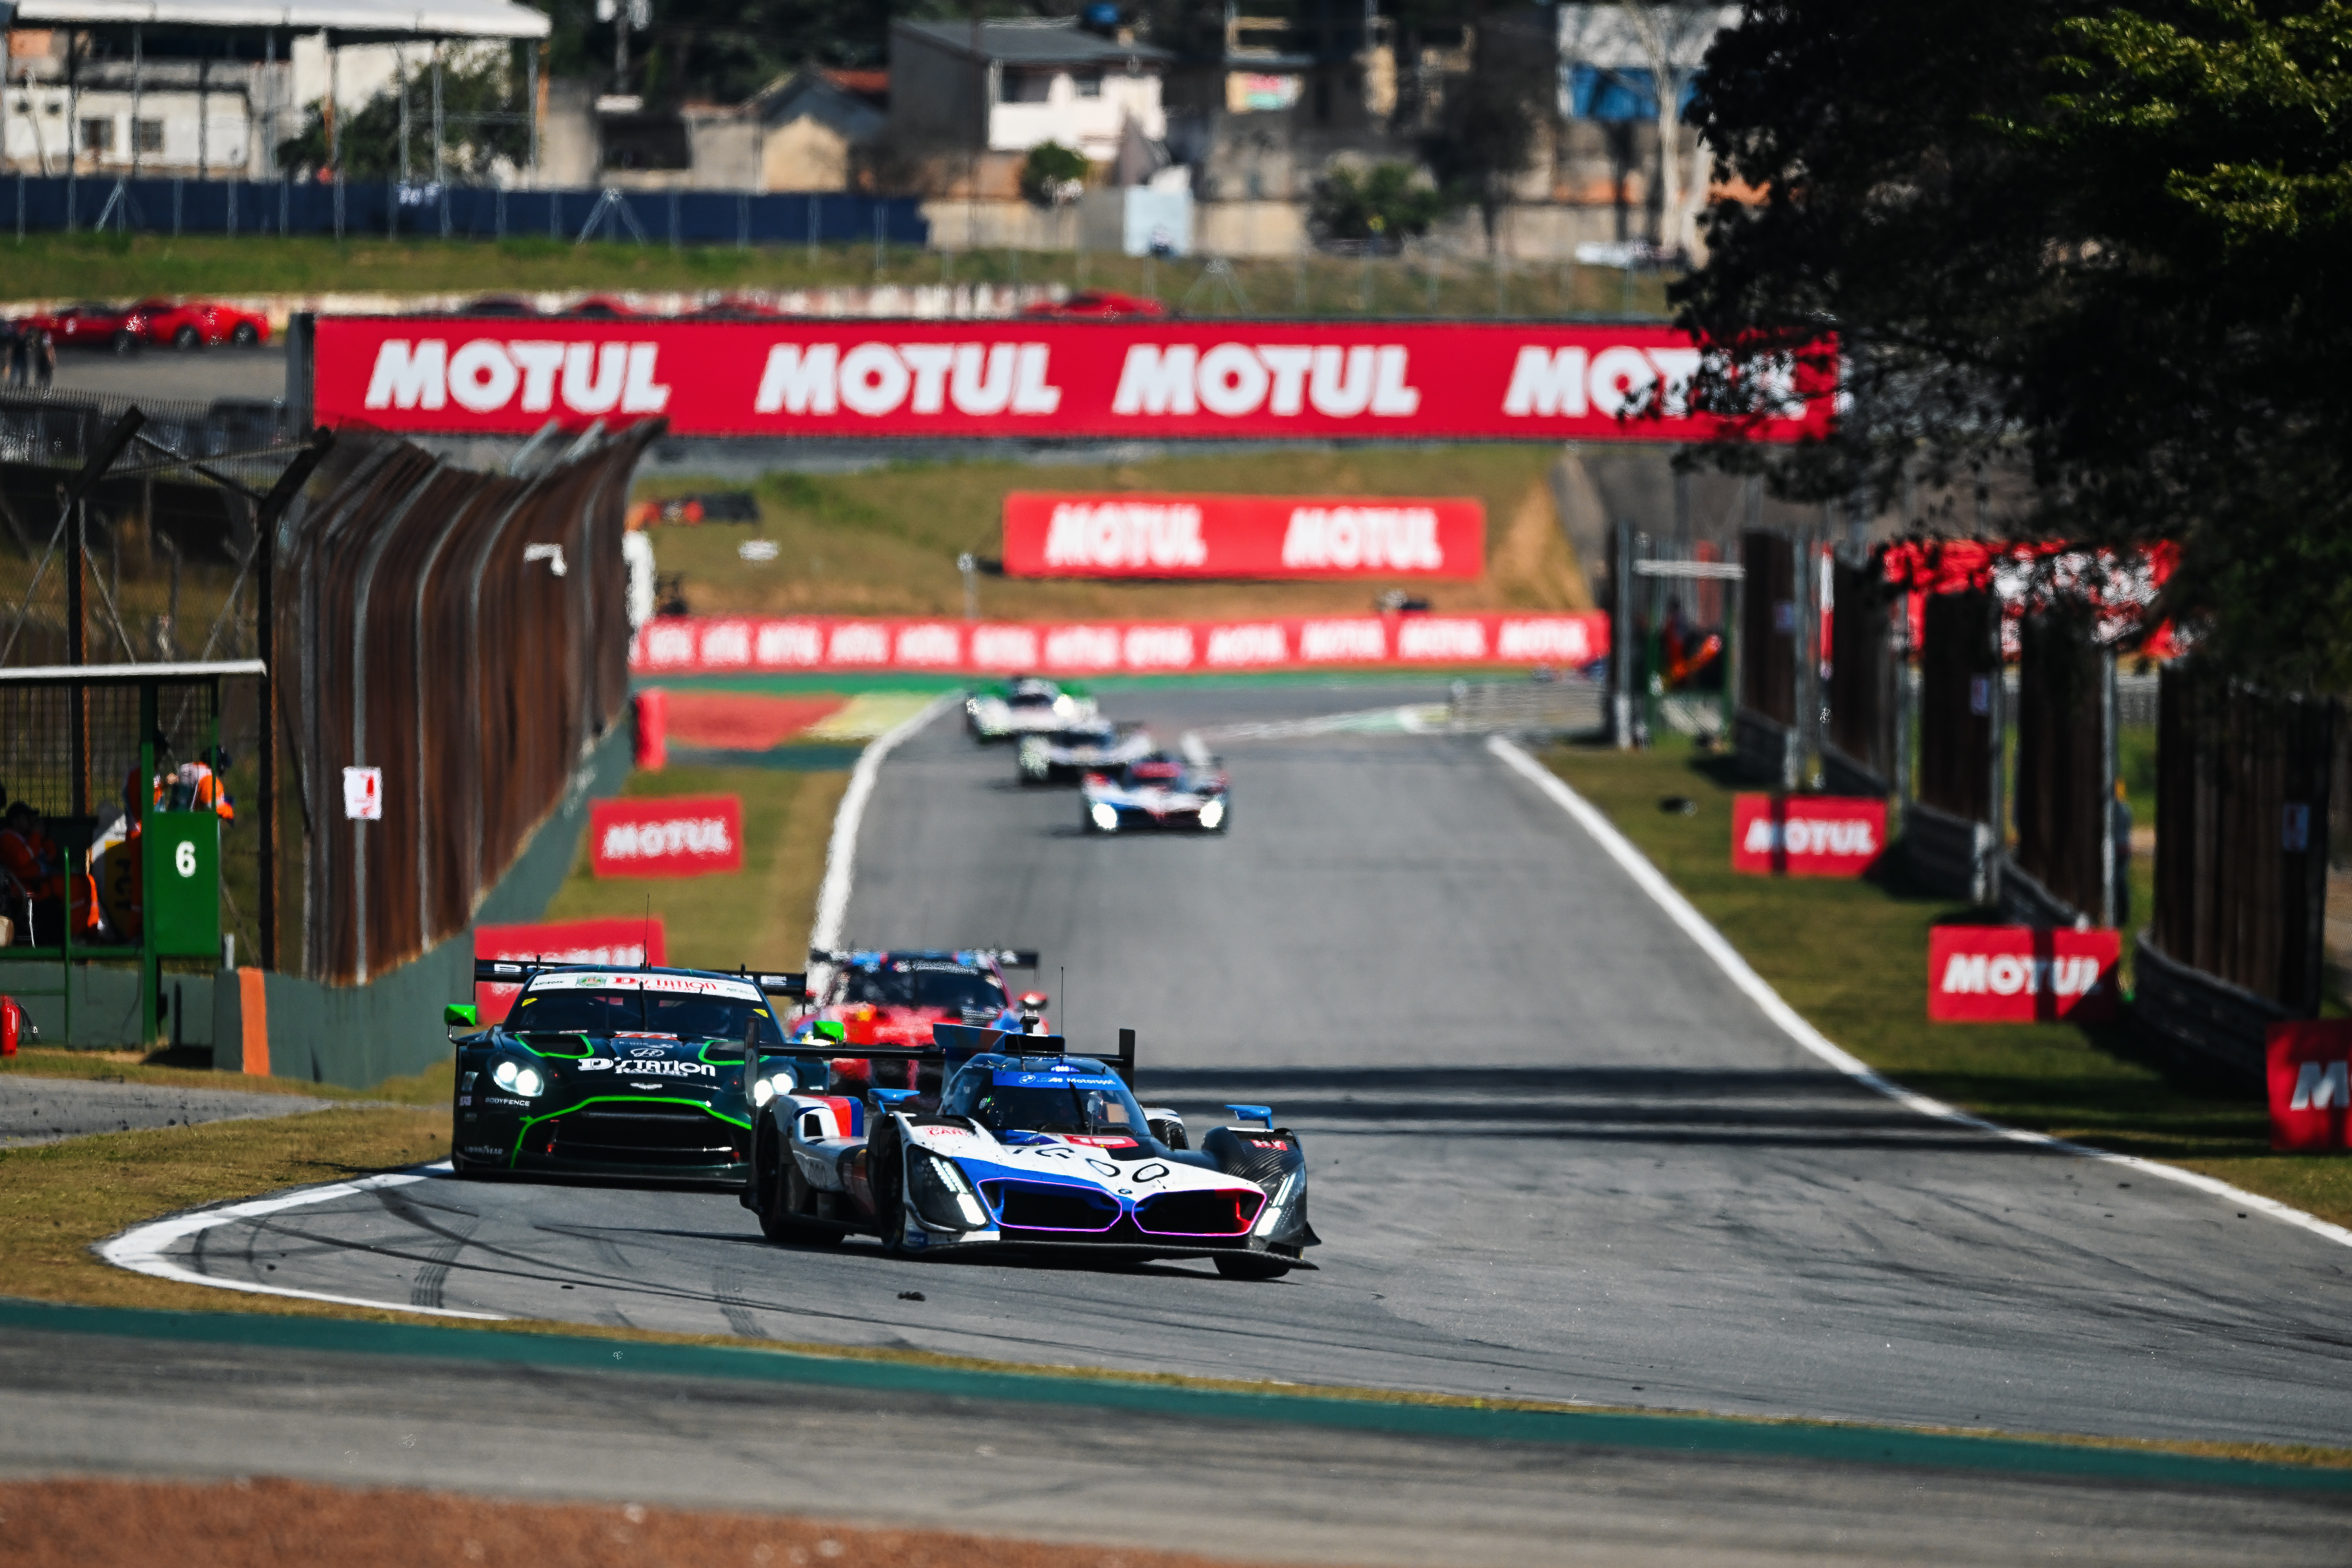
x,y
1025,707
1059,756
1161,791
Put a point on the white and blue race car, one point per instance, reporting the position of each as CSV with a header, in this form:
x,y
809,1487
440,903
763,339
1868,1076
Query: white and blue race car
x,y
1162,790
1063,756
1024,1147
1024,706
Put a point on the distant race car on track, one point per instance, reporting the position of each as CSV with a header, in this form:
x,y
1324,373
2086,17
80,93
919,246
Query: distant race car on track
x,y
1024,706
894,998
201,323
632,1073
1162,790
1060,755
1030,1147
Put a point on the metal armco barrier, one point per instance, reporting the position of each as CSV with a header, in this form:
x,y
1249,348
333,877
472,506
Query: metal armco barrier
x,y
466,632
44,205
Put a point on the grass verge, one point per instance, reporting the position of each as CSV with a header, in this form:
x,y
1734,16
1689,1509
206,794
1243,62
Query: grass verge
x,y
758,915
884,542
117,264
1852,957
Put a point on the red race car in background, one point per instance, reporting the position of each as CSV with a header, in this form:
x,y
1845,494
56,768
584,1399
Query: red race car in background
x,y
893,998
1097,305
91,326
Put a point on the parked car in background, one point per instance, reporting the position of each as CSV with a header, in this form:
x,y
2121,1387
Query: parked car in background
x,y
200,323
1097,305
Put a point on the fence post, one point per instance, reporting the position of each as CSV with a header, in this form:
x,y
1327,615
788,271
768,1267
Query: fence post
x,y
1621,638
2111,903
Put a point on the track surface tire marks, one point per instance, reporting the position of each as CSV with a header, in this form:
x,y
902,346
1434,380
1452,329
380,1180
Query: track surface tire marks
x,y
78,1404
1555,1151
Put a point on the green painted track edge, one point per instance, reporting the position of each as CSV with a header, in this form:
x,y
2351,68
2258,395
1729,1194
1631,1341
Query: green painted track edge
x,y
1689,1435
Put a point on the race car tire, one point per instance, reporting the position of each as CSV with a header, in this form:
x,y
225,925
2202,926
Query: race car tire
x,y
784,1217
126,343
1250,1266
245,335
187,338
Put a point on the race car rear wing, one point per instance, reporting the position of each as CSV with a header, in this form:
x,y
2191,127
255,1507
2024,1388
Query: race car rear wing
x,y
960,1042
517,971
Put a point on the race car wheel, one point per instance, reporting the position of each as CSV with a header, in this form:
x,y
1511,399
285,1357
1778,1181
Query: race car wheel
x,y
245,336
126,343
187,338
784,1217
886,1169
1251,1266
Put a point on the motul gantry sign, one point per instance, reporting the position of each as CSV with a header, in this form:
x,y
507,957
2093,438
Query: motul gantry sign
x,y
1030,378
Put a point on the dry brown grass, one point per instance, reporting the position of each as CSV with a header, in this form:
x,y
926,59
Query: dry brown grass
x,y
885,543
270,1524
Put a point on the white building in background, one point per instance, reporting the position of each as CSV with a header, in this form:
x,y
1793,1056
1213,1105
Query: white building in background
x,y
1036,81
207,88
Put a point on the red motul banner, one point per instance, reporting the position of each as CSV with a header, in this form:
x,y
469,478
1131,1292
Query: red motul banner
x,y
679,835
1265,380
628,942
2311,1083
2021,973
696,645
1807,835
1242,535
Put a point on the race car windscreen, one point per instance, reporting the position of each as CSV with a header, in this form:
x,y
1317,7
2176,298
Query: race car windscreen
x,y
688,1018
952,989
1044,1102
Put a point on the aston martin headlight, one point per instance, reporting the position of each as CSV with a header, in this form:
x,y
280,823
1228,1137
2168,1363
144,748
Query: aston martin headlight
x,y
1104,815
770,1087
1211,813
527,1082
503,1075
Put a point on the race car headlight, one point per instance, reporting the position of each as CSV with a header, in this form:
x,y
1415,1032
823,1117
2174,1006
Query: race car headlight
x,y
1270,1218
770,1087
527,1082
503,1075
1104,815
1211,813
941,1196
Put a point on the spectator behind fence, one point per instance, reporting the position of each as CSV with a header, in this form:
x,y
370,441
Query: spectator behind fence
x,y
32,872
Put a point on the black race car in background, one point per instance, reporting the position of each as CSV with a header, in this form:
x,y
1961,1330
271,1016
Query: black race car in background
x,y
621,1072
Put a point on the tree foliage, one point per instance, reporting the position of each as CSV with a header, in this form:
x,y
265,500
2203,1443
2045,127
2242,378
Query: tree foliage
x,y
2107,247
1384,205
483,83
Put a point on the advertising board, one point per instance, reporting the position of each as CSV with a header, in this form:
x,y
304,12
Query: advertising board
x,y
626,941
1807,835
2021,974
1029,379
679,835
1140,535
2310,1071
690,645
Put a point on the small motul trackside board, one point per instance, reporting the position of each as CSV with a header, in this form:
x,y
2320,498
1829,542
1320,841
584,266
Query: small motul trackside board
x,y
2311,1085
1807,835
2021,974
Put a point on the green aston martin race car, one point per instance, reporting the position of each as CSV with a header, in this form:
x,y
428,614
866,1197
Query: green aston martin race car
x,y
621,1072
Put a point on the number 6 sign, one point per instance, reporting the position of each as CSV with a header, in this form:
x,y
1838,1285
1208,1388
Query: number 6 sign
x,y
184,858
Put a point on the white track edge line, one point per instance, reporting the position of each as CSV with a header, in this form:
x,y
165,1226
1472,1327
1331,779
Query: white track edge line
x,y
841,849
141,1248
1650,880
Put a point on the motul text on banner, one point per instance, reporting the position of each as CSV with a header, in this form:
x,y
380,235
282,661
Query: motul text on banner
x,y
1140,535
1807,835
1221,380
2019,973
728,644
681,835
2310,1071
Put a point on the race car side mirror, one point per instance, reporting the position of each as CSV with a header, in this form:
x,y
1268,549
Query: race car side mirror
x,y
828,1028
457,1015
1030,1001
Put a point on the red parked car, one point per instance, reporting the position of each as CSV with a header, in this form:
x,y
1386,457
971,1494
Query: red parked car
x,y
1099,305
89,326
200,323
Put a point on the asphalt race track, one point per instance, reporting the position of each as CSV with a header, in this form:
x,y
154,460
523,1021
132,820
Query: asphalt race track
x,y
1554,1152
